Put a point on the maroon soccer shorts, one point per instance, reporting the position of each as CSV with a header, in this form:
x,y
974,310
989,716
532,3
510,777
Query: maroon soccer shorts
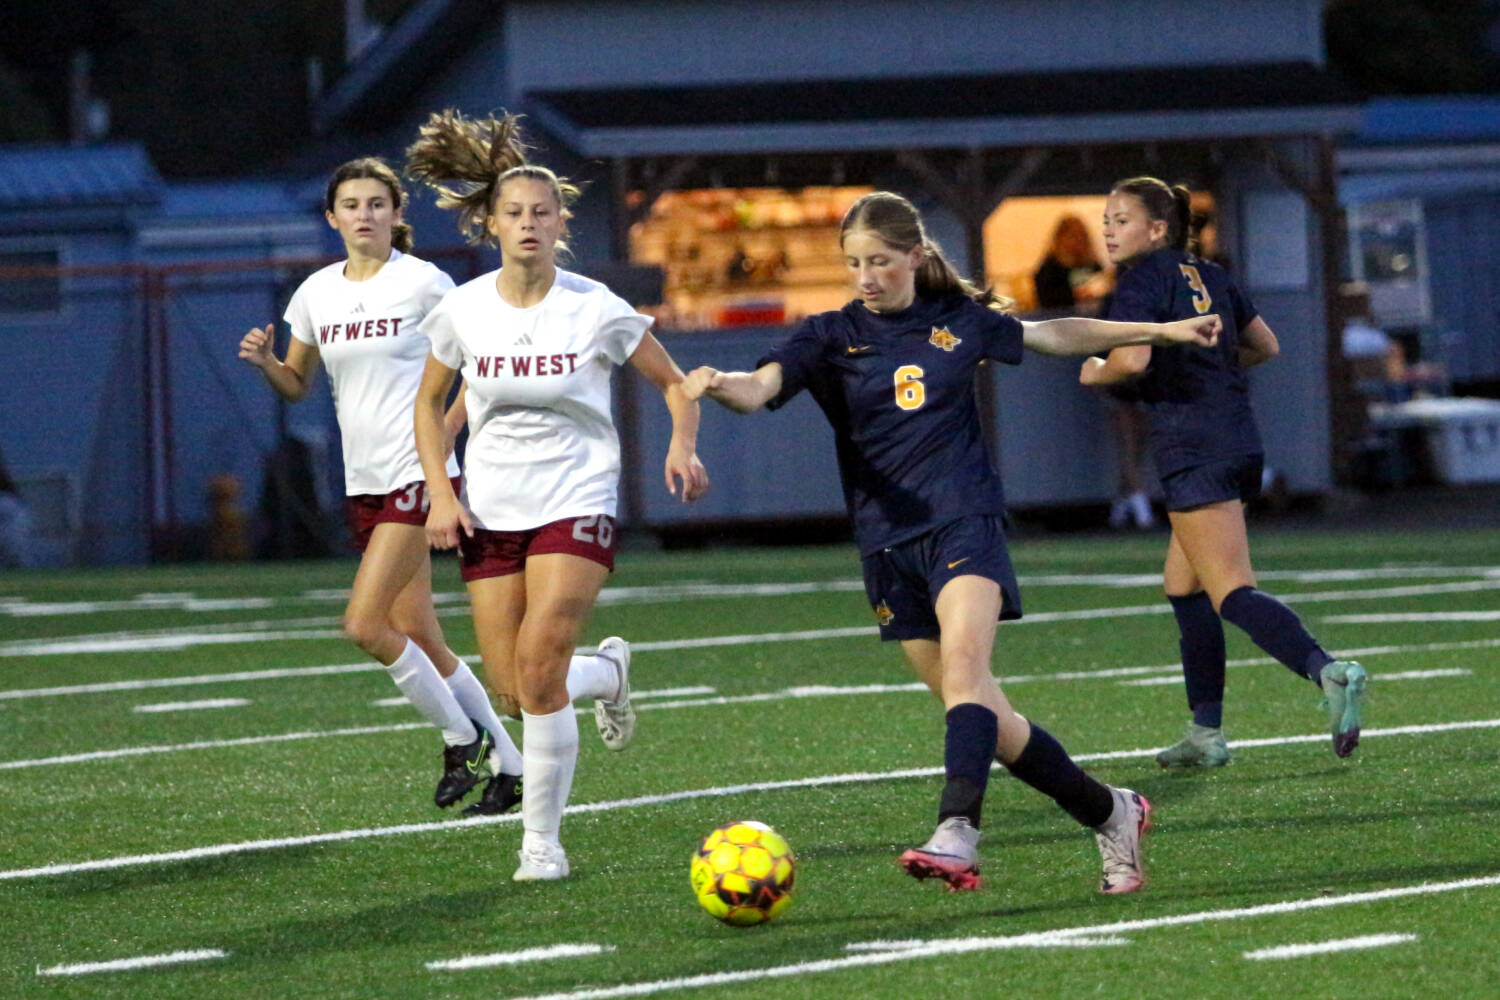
x,y
500,553
407,505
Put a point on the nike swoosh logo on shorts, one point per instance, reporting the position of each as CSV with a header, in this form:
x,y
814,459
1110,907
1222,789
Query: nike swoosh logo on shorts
x,y
963,560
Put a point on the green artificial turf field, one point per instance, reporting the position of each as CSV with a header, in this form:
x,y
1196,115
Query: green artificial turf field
x,y
194,764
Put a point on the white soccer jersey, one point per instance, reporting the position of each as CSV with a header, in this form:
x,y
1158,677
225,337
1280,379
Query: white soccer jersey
x,y
542,444
370,339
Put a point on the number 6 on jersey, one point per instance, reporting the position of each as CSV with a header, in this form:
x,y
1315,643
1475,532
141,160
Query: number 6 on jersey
x,y
910,392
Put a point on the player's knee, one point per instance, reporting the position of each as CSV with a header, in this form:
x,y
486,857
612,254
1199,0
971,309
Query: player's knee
x,y
365,631
541,682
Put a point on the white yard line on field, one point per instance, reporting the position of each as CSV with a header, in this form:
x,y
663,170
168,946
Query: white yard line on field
x,y
104,687
129,964
642,801
541,954
1329,947
22,607
193,706
317,628
168,639
143,751
912,950
1414,616
1400,675
158,641
675,697
635,695
1043,939
665,592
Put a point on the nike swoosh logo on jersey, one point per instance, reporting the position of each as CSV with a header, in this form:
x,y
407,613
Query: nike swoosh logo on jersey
x,y
856,350
959,562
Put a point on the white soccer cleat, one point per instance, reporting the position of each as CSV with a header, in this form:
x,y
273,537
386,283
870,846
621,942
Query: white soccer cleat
x,y
1119,840
952,854
541,861
615,717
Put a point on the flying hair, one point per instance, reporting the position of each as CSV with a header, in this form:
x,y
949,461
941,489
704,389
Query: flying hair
x,y
896,222
467,160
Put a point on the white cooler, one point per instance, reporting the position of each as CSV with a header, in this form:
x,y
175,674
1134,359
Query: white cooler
x,y
1463,435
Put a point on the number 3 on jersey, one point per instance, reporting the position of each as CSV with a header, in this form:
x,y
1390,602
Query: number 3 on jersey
x,y
910,392
1202,301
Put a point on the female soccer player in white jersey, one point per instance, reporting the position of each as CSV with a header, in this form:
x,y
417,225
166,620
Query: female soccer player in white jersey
x,y
361,318
535,527
893,371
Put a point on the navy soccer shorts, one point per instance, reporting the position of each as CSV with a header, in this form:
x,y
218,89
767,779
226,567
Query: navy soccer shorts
x,y
903,581
1214,482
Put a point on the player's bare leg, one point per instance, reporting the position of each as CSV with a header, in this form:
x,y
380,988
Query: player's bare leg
x,y
560,594
381,600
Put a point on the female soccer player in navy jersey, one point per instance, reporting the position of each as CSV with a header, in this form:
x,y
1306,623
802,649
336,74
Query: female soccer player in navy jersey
x,y
535,525
1208,454
360,317
893,371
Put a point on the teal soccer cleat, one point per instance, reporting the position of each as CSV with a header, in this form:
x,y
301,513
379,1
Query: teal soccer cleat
x,y
1200,746
1344,686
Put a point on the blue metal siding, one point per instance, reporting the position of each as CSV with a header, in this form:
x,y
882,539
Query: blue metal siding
x,y
689,41
1463,258
61,177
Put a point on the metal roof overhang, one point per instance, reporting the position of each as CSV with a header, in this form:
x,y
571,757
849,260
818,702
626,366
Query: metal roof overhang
x,y
810,137
1055,109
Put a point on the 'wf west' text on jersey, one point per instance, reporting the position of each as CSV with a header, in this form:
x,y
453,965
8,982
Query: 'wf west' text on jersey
x,y
527,364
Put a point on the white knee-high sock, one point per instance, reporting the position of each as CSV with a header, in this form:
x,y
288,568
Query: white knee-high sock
x,y
423,686
475,702
549,746
591,677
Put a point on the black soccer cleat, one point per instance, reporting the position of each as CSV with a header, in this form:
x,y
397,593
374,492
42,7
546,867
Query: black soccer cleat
x,y
463,768
501,795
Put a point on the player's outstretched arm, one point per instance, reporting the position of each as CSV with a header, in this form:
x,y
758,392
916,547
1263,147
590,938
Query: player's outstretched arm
x,y
682,467
290,379
742,392
1078,335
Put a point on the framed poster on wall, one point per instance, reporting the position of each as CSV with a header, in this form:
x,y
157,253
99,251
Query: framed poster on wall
x,y
1388,252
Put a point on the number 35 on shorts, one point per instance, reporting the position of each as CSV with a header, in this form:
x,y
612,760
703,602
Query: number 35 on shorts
x,y
414,497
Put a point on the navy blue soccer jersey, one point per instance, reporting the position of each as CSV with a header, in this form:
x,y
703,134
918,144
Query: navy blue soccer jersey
x,y
1197,398
899,392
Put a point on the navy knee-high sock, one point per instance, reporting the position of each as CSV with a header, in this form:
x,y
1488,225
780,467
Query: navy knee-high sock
x,y
1046,766
1275,628
967,751
1202,646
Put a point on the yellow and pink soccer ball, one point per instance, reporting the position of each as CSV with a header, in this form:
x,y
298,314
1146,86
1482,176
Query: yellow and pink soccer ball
x,y
742,873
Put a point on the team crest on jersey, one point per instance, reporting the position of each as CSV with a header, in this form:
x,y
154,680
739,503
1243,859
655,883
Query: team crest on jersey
x,y
883,614
942,337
